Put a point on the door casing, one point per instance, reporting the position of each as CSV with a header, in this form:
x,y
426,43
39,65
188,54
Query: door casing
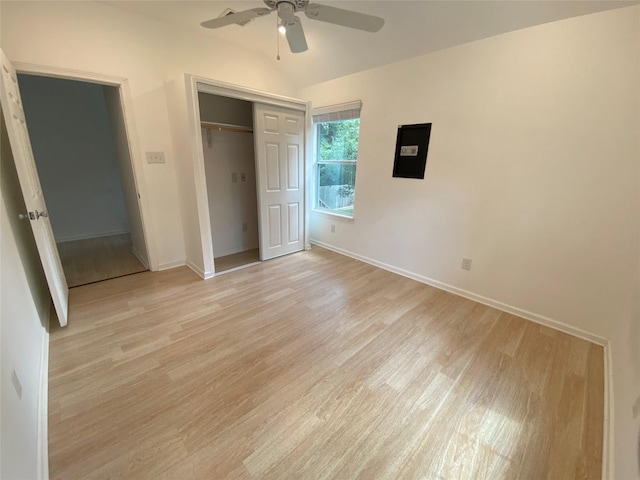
x,y
127,109
195,84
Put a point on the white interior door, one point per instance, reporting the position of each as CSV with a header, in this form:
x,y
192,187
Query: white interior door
x,y
279,139
31,190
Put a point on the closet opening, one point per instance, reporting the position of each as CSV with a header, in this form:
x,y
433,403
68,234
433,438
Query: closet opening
x,y
81,151
230,174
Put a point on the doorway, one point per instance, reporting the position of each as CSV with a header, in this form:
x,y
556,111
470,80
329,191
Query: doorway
x,y
222,116
81,151
230,171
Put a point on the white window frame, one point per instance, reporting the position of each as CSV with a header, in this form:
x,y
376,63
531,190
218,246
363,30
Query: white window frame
x,y
343,111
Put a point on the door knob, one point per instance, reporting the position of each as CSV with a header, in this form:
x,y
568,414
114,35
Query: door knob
x,y
43,213
23,216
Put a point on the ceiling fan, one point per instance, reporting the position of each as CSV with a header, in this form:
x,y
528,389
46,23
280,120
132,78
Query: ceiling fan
x,y
291,25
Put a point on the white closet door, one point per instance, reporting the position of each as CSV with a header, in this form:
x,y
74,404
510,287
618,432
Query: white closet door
x,y
31,190
279,139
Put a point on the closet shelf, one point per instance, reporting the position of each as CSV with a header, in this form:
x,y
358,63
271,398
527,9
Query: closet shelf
x,y
225,127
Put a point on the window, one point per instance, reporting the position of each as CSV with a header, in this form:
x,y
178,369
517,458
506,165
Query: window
x,y
337,132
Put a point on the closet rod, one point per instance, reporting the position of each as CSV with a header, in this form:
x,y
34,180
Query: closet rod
x,y
225,127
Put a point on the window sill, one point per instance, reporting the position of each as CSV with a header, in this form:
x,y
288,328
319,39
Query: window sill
x,y
328,214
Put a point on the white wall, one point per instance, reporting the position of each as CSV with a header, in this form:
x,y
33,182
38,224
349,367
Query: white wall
x,y
95,37
24,310
532,169
231,204
75,155
218,109
533,172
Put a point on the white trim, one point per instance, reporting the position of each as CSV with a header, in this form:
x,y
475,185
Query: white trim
x,y
126,103
309,145
139,257
199,175
201,273
43,410
330,214
534,317
170,265
608,439
355,105
207,85
195,84
87,236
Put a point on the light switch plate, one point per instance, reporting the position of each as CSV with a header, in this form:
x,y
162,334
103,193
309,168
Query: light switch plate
x,y
155,157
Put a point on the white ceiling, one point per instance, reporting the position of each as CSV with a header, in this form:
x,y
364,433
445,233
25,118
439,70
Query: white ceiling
x,y
412,28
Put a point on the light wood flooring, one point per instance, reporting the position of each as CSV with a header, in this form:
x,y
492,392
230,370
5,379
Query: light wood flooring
x,y
236,260
95,259
314,366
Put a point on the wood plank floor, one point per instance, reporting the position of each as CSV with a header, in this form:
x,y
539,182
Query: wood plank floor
x,y
314,366
236,260
96,259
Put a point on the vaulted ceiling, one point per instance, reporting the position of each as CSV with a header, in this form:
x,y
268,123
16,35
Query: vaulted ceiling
x,y
412,28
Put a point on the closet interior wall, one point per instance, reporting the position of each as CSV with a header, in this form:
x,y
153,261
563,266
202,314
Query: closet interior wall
x,y
230,173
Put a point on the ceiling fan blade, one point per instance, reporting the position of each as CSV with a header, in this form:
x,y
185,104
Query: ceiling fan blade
x,y
295,36
346,18
239,17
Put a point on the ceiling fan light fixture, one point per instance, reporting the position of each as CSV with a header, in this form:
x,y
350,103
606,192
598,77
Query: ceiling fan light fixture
x,y
282,28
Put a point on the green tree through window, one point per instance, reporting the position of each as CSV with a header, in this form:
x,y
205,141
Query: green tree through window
x,y
337,144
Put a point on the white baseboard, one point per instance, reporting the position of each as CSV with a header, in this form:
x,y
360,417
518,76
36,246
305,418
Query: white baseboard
x,y
43,411
86,236
201,273
170,265
140,258
534,317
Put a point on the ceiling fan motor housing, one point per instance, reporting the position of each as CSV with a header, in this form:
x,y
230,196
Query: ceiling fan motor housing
x,y
298,5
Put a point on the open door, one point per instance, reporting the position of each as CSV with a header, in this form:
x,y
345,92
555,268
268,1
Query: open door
x,y
279,140
31,190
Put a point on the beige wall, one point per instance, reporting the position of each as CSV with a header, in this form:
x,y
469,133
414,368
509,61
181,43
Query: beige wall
x,y
95,37
532,167
533,172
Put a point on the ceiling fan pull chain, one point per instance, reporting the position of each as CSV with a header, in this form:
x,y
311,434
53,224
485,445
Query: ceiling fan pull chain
x,y
278,37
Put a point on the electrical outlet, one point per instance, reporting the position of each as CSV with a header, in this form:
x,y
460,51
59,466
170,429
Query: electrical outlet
x,y
466,264
243,177
16,383
234,178
636,408
333,228
155,157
